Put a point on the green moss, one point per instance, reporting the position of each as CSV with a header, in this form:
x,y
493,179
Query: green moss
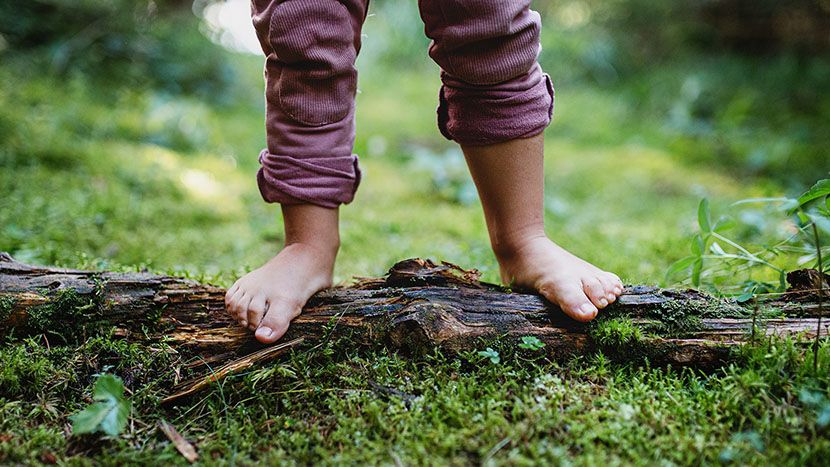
x,y
625,341
6,306
63,314
675,320
29,370
616,332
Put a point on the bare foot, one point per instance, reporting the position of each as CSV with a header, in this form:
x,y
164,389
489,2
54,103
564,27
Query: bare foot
x,y
578,287
267,299
510,180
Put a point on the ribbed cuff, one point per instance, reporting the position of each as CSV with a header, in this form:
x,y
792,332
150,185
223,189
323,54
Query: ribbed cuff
x,y
481,115
324,181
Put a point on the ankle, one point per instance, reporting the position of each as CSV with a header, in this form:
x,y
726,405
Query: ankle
x,y
322,246
513,245
313,227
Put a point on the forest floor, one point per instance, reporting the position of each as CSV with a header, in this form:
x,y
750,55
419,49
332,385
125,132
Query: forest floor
x,y
124,179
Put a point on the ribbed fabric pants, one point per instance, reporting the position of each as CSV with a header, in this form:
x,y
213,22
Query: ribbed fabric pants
x,y
493,89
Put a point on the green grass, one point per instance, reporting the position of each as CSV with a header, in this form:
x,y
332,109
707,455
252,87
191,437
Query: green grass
x,y
110,177
320,406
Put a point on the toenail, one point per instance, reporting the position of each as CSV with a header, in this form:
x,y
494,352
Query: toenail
x,y
603,302
587,309
264,331
243,323
611,297
617,290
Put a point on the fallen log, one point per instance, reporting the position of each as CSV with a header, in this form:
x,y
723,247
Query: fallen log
x,y
418,306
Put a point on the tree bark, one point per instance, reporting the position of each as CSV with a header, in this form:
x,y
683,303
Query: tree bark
x,y
418,306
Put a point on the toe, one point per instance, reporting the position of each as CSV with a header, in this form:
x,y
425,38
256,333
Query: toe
x,y
240,307
594,290
617,284
276,321
229,293
229,300
608,287
571,299
256,311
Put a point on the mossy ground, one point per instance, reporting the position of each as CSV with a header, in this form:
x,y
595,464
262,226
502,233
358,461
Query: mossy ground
x,y
123,178
322,406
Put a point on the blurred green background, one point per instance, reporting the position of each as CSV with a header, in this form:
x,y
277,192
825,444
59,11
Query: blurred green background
x,y
130,130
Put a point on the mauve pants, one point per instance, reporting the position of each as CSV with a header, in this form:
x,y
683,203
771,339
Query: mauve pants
x,y
493,88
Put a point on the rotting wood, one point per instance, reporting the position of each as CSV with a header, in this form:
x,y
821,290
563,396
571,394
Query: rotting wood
x,y
419,305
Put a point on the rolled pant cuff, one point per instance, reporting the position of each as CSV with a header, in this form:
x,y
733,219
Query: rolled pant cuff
x,y
489,114
324,181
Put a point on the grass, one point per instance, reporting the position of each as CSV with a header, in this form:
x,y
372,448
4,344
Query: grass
x,y
319,406
108,177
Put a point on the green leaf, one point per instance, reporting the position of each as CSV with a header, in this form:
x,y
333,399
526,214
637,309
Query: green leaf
x,y
762,200
491,354
744,297
116,419
822,222
679,265
698,245
821,188
89,419
109,414
750,290
782,281
704,218
724,223
108,388
531,343
696,268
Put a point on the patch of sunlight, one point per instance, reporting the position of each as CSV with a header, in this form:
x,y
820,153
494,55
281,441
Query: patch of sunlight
x,y
209,179
574,14
200,184
228,23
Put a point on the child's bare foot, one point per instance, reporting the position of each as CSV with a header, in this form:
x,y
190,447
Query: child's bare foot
x,y
578,287
267,299
510,181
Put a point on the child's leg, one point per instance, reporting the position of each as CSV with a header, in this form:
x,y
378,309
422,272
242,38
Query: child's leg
x,y
308,166
510,183
495,101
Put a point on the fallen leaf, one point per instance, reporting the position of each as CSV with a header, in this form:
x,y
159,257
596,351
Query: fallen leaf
x,y
185,448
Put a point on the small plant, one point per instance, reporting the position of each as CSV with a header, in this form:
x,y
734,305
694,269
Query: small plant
x,y
531,343
728,258
109,414
491,354
814,210
706,245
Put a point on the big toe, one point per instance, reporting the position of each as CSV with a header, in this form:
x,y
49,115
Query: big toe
x,y
276,321
572,300
256,310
